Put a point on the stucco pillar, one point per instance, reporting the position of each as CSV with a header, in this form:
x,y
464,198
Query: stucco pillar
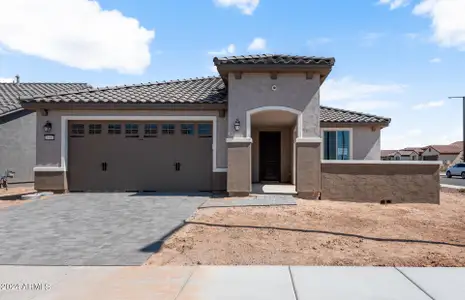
x,y
308,167
239,166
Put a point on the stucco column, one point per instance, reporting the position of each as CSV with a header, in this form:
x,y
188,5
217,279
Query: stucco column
x,y
308,167
239,166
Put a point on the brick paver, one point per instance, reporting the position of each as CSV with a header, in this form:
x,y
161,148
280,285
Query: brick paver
x,y
91,229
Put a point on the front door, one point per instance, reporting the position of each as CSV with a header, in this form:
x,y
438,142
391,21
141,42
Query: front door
x,y
270,156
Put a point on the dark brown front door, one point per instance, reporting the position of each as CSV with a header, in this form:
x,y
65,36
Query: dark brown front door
x,y
270,156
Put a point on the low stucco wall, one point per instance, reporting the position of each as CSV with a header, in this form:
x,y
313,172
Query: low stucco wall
x,y
399,182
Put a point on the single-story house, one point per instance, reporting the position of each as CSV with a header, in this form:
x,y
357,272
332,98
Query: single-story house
x,y
387,154
18,126
444,153
406,154
259,121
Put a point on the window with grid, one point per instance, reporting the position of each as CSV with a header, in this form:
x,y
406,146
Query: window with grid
x,y
95,128
114,128
150,130
187,129
167,129
336,145
205,130
77,130
131,130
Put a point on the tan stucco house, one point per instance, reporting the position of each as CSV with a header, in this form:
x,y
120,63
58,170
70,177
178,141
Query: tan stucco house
x,y
259,121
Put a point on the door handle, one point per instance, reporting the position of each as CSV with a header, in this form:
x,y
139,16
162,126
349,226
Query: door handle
x,y
177,166
104,166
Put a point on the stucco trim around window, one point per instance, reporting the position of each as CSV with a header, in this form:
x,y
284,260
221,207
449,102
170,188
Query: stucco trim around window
x,y
65,120
351,140
296,112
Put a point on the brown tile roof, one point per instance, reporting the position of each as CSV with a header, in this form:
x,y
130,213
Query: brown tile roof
x,y
208,90
458,144
385,153
10,92
197,90
416,149
274,59
446,149
336,115
406,152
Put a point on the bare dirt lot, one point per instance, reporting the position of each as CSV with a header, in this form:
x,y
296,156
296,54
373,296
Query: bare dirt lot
x,y
323,233
12,196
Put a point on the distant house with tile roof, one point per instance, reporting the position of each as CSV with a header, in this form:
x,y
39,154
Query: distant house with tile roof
x,y
18,126
445,153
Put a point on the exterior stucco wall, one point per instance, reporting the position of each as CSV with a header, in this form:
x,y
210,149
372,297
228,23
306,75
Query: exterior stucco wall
x,y
18,145
400,182
366,142
49,152
294,91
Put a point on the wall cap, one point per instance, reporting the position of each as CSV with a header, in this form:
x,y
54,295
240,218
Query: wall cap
x,y
239,140
308,140
382,162
48,169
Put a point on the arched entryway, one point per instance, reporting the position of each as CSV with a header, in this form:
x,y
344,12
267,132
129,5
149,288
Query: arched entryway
x,y
273,131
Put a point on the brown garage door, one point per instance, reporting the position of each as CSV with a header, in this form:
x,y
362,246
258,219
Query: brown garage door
x,y
139,156
431,157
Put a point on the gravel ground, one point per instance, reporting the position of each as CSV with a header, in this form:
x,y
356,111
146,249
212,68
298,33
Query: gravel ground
x,y
323,233
13,194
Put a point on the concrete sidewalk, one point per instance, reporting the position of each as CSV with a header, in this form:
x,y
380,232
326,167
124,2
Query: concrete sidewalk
x,y
230,282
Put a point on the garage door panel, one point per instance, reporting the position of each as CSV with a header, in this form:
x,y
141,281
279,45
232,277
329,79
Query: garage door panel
x,y
142,158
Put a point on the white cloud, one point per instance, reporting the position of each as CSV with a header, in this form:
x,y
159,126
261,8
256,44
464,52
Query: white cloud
x,y
359,96
428,105
412,35
247,7
231,49
347,88
393,4
213,69
76,33
258,44
435,60
448,21
6,80
368,105
319,41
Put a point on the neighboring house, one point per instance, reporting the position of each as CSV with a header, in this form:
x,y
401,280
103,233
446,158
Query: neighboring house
x,y
388,154
444,153
18,126
260,121
408,154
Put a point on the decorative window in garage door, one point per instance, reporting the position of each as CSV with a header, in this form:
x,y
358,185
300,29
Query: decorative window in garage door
x,y
131,130
114,128
187,129
95,128
205,130
168,129
150,130
77,130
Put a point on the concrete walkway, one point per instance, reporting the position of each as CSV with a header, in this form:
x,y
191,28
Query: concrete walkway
x,y
230,282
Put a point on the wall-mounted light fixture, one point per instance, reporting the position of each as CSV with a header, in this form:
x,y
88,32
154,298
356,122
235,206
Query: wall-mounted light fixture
x,y
48,126
237,125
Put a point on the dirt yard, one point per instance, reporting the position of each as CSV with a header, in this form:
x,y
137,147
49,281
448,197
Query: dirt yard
x,y
323,233
12,196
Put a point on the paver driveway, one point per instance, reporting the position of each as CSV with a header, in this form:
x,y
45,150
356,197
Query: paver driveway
x,y
91,229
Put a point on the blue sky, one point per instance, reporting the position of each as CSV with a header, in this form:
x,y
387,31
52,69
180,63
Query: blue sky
x,y
395,58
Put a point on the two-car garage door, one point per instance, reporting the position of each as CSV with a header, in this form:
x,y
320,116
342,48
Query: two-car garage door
x,y
139,156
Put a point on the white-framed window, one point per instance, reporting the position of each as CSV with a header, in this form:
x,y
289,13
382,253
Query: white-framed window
x,y
337,143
